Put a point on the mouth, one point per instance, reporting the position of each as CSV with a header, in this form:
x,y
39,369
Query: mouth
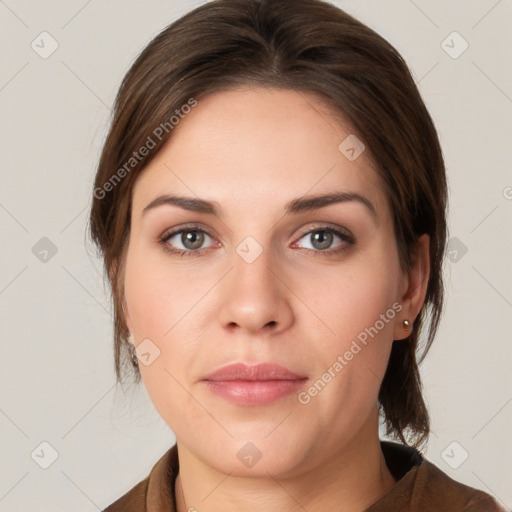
x,y
253,385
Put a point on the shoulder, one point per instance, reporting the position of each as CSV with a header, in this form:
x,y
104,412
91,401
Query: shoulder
x,y
156,491
435,488
422,486
132,501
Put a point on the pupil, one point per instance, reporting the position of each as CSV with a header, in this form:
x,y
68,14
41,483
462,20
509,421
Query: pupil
x,y
325,236
192,237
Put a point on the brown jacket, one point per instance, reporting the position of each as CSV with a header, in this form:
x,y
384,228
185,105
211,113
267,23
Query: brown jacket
x,y
421,487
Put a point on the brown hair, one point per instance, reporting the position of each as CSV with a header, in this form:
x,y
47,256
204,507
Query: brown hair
x,y
303,45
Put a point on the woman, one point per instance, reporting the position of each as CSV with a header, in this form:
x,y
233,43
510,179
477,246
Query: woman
x,y
270,204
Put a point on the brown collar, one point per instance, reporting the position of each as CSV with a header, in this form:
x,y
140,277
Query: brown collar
x,y
421,487
160,490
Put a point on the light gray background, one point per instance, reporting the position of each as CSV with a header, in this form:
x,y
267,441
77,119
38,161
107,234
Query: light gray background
x,y
57,380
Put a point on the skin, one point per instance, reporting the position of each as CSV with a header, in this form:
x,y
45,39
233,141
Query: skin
x,y
252,151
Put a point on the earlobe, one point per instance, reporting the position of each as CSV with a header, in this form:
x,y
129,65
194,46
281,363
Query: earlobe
x,y
416,288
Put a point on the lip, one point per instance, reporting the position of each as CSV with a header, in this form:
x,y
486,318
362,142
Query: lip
x,y
252,385
256,372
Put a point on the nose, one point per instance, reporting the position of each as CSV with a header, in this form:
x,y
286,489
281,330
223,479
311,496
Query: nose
x,y
254,296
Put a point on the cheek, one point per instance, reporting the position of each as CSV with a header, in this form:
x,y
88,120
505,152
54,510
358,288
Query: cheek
x,y
154,296
157,306
163,302
350,359
357,305
350,298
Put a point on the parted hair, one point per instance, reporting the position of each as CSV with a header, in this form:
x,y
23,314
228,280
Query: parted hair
x,y
308,46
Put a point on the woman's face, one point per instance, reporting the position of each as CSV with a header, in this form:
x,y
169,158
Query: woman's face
x,y
316,290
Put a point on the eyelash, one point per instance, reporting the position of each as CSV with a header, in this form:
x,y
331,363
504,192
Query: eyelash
x,y
349,240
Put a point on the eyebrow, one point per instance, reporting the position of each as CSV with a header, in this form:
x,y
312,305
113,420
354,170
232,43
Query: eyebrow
x,y
299,205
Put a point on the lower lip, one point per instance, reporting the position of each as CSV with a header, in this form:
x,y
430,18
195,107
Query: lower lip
x,y
242,392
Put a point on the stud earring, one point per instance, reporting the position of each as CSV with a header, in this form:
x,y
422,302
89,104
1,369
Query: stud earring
x,y
406,324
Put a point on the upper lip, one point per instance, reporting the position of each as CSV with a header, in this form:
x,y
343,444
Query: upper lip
x,y
257,372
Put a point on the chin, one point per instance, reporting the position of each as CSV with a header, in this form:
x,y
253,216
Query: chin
x,y
258,455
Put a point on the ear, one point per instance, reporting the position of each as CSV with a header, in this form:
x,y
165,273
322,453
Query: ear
x,y
414,287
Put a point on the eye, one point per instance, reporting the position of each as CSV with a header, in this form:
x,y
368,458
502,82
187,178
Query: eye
x,y
189,241
322,238
190,238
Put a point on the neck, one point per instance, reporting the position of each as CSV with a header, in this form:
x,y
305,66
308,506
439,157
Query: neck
x,y
356,476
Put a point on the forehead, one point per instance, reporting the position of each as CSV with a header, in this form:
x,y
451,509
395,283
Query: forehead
x,y
259,146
